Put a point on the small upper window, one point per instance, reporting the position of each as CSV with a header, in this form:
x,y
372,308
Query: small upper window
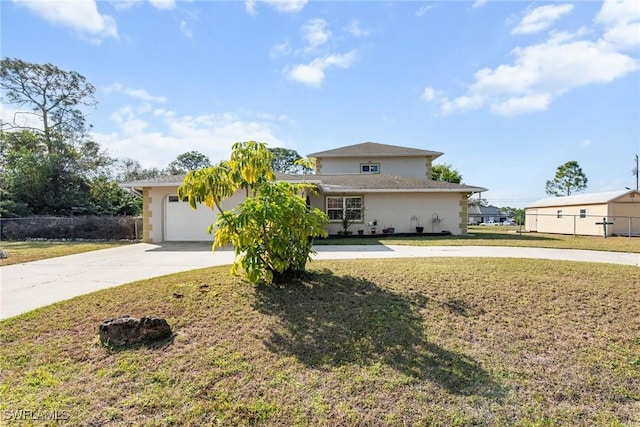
x,y
173,199
559,213
583,213
370,168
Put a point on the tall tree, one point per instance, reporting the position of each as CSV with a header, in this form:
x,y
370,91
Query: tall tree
x,y
272,230
48,160
569,179
51,95
189,161
288,161
446,173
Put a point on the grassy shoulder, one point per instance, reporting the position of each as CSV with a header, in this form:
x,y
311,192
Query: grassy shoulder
x,y
358,342
499,236
34,250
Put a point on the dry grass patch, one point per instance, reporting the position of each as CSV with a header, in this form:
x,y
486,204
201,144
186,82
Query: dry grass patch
x,y
27,251
359,342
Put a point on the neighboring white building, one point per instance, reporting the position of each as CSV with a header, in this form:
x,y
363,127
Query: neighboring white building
x,y
385,185
579,214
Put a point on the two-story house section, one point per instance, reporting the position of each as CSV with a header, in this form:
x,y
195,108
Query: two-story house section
x,y
376,186
380,187
374,158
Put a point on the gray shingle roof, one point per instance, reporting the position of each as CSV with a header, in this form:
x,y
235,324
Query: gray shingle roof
x,y
374,149
386,183
341,183
172,180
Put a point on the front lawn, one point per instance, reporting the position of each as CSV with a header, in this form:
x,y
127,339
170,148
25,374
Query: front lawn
x,y
499,236
34,250
360,342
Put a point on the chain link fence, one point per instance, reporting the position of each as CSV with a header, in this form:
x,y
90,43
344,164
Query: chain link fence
x,y
72,228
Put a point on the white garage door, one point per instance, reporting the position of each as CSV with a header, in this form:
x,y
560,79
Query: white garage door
x,y
183,224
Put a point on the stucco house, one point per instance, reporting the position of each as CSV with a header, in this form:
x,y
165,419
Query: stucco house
x,y
381,186
583,214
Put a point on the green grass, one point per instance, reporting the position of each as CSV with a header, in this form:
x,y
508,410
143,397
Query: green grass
x,y
500,236
360,342
27,251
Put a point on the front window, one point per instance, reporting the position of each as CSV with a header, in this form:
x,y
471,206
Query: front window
x,y
370,168
340,207
583,213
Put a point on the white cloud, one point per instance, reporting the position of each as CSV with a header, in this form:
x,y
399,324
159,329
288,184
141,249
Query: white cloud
x,y
541,18
479,3
621,20
424,9
140,94
585,143
355,30
80,15
281,49
10,116
251,7
315,33
428,94
542,72
284,6
186,29
157,138
125,4
520,105
158,4
163,4
312,74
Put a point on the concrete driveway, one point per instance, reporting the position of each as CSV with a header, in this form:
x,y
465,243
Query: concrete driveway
x,y
25,287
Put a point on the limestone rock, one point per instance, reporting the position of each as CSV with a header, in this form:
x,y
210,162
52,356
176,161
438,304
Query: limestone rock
x,y
127,330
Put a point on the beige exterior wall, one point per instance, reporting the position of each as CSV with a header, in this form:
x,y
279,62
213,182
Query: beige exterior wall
x,y
397,209
405,166
548,220
624,212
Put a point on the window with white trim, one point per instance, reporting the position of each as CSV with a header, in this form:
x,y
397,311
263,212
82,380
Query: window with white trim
x,y
340,207
370,168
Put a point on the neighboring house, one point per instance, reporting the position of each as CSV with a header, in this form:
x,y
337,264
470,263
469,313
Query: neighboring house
x,y
486,215
579,214
380,186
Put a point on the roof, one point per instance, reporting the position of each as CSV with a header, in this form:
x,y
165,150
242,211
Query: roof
x,y
374,149
581,199
176,180
367,183
371,183
484,210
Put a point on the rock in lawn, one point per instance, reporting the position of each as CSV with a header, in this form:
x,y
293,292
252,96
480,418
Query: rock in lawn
x,y
127,330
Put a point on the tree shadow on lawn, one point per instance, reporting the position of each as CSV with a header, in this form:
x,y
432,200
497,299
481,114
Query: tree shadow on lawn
x,y
327,320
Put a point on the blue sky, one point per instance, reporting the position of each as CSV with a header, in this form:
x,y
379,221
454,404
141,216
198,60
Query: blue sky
x,y
508,90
